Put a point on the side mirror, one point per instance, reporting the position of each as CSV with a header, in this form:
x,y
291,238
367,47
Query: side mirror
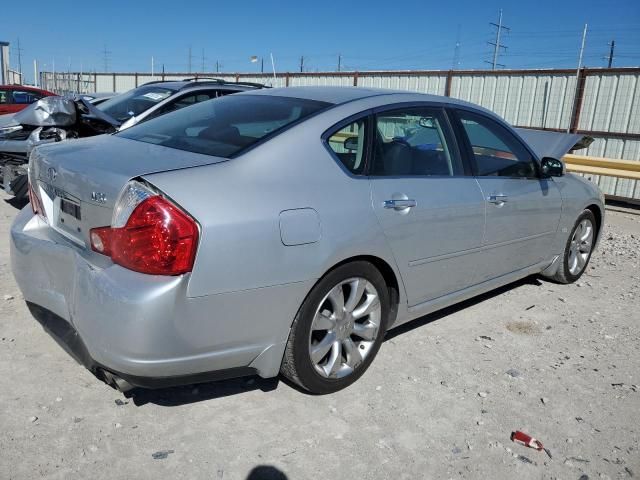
x,y
551,167
351,144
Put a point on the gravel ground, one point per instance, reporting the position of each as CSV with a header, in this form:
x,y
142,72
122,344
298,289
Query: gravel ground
x,y
440,401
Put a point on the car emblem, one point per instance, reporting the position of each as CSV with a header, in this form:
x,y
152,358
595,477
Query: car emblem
x,y
52,174
98,197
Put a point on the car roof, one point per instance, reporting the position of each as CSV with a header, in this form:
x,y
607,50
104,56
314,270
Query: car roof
x,y
179,85
24,87
340,95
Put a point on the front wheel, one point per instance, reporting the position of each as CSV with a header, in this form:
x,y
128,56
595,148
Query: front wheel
x,y
338,329
578,249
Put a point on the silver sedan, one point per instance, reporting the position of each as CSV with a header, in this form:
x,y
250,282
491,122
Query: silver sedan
x,y
284,231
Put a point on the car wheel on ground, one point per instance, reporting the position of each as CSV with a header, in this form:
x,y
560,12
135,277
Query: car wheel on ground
x,y
578,249
338,329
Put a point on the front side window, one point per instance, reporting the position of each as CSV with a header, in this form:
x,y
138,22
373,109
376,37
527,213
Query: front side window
x,y
348,145
414,142
496,151
4,96
226,126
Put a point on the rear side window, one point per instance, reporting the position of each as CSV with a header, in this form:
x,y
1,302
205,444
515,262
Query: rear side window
x,y
226,126
414,142
349,144
23,97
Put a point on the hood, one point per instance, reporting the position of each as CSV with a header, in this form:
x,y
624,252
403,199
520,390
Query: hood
x,y
48,112
553,144
105,163
59,112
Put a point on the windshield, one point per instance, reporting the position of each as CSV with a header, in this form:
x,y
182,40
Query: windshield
x,y
225,126
134,102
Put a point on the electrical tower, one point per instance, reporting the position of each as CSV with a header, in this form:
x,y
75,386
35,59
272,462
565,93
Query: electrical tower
x,y
301,64
106,58
19,50
456,52
497,45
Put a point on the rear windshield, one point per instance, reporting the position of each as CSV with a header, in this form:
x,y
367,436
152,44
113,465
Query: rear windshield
x,y
134,102
225,126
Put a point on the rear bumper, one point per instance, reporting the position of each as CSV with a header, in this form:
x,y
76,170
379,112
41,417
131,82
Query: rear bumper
x,y
142,327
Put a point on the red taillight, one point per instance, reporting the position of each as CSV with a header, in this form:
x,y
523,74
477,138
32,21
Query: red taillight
x,y
157,239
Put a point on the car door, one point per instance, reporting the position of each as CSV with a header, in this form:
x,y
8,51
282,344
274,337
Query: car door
x,y
20,99
522,209
5,100
431,213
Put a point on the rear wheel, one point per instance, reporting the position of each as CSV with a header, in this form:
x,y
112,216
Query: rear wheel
x,y
578,249
338,329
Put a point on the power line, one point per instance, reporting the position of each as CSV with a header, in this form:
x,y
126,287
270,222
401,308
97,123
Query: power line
x,y
497,46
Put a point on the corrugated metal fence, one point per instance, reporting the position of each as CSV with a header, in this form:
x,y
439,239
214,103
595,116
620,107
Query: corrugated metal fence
x,y
602,103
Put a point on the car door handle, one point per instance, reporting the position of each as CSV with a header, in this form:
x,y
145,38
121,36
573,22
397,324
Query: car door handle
x,y
497,198
400,204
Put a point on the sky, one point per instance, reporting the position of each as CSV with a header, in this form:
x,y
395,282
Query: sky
x,y
367,35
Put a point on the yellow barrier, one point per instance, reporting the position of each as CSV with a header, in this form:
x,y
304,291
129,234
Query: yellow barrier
x,y
603,166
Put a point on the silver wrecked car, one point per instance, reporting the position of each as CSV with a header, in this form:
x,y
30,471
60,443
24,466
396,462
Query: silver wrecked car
x,y
286,230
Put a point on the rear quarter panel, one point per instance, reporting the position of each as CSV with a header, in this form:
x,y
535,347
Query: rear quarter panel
x,y
238,205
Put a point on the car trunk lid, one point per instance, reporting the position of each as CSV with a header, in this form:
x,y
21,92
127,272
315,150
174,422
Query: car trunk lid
x,y
78,182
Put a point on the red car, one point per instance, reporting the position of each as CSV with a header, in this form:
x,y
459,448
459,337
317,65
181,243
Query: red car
x,y
14,98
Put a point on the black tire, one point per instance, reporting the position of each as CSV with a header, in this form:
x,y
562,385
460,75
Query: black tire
x,y
19,186
563,274
296,364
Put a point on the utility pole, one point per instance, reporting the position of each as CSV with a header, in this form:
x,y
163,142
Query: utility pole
x,y
339,62
496,45
105,58
575,102
152,65
613,46
202,69
217,66
35,73
261,64
301,63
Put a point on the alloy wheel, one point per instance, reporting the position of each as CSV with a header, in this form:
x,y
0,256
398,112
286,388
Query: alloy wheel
x,y
580,247
344,328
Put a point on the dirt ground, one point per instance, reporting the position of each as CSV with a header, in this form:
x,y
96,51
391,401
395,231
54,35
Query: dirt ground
x,y
560,362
